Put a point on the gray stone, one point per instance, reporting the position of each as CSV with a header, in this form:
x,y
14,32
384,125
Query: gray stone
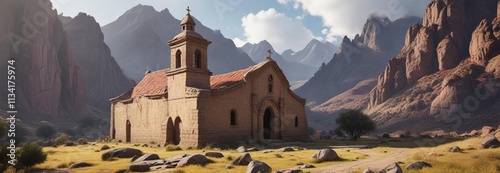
x,y
290,171
150,156
392,168
244,159
307,166
139,167
80,165
490,141
455,149
252,149
418,165
214,154
105,147
258,167
121,153
196,159
325,155
241,149
286,149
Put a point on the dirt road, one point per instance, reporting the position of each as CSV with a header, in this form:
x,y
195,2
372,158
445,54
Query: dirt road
x,y
375,161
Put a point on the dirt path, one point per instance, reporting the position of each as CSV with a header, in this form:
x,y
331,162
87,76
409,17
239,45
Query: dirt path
x,y
375,161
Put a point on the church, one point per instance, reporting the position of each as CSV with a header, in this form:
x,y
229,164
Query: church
x,y
188,106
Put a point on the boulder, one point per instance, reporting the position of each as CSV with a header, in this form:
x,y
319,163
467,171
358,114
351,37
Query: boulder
x,y
418,165
455,149
214,154
325,155
244,159
286,149
139,167
392,168
241,149
150,156
490,141
121,153
105,147
195,159
486,130
80,165
258,167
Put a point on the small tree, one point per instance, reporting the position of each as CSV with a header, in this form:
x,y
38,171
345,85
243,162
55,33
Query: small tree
x,y
46,132
355,123
29,155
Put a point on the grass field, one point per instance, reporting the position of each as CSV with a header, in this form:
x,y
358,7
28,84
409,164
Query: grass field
x,y
471,159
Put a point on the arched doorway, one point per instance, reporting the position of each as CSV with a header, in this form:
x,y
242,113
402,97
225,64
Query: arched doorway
x,y
128,131
170,131
177,131
268,123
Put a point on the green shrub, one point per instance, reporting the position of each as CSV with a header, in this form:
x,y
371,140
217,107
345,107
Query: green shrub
x,y
29,155
82,141
61,139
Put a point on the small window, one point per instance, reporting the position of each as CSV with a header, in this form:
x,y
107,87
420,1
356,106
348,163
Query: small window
x,y
270,88
197,58
183,28
270,85
296,121
233,118
270,78
178,56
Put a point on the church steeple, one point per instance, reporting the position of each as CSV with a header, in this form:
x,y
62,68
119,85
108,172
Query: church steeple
x,y
188,56
188,21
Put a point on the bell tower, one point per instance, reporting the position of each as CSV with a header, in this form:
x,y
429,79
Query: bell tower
x,y
188,57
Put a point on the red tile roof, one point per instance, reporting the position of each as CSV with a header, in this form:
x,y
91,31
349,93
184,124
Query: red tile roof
x,y
155,83
228,79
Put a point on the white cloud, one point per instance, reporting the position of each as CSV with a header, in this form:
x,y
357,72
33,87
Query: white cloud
x,y
278,29
342,17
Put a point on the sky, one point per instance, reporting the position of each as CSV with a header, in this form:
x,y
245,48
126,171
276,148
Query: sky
x,y
286,24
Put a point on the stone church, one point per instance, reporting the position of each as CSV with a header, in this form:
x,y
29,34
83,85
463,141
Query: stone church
x,y
188,106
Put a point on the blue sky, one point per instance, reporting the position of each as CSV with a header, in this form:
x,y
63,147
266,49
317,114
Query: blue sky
x,y
284,23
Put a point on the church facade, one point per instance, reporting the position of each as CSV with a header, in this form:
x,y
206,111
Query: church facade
x,y
188,106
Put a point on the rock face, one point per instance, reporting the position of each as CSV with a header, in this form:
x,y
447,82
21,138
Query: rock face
x,y
47,79
137,40
433,77
358,59
325,155
258,167
259,51
103,77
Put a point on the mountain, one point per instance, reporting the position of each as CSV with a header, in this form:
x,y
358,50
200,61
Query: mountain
x,y
294,71
446,77
47,79
103,77
314,54
362,58
138,41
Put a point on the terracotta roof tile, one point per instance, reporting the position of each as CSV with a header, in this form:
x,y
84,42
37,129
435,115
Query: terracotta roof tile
x,y
154,83
228,79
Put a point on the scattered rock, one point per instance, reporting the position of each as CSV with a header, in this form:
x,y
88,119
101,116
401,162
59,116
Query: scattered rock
x,y
267,151
121,153
386,135
139,167
134,158
145,145
241,149
252,149
392,168
290,171
244,159
80,165
105,147
368,171
307,166
286,149
418,165
214,154
150,156
278,156
490,141
486,130
455,149
229,167
300,163
258,167
325,155
196,159
121,171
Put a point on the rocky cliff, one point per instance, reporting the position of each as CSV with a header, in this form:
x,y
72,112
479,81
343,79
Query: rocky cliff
x,y
446,72
138,41
103,77
258,52
359,59
47,79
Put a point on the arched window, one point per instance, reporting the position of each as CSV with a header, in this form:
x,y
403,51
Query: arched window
x,y
233,118
178,55
270,85
296,121
197,58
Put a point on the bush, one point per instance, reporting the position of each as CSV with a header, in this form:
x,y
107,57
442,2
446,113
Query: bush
x,y
386,135
46,132
61,139
82,141
355,123
29,155
171,147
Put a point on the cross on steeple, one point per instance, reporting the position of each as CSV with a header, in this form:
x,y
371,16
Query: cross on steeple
x,y
269,52
188,10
